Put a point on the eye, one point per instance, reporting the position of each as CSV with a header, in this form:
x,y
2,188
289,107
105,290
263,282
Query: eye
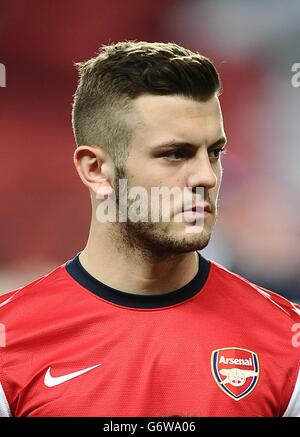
x,y
216,153
175,155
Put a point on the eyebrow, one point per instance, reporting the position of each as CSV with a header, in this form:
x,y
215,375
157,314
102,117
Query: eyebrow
x,y
180,144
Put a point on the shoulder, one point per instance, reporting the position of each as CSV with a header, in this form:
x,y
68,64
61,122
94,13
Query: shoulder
x,y
257,296
37,289
268,321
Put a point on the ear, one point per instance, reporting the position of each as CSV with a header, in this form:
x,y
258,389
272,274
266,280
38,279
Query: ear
x,y
95,168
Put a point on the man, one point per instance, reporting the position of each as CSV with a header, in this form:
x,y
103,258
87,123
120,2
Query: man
x,y
139,323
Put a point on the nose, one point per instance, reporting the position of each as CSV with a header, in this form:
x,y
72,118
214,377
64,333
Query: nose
x,y
202,173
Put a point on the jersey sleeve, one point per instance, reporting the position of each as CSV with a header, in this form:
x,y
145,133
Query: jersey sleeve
x,y
293,408
4,406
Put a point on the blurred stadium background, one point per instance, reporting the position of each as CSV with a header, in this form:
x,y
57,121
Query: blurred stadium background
x,y
45,210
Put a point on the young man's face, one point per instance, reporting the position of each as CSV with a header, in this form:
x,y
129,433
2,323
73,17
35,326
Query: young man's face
x,y
176,142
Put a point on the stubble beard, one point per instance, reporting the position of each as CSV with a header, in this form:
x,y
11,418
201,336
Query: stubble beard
x,y
155,240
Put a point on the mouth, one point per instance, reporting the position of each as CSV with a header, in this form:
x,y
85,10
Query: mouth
x,y
197,213
201,209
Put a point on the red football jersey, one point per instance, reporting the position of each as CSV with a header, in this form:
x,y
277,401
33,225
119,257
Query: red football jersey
x,y
219,346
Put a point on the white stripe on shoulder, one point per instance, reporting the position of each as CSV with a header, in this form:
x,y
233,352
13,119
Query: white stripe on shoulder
x,y
293,408
4,406
7,300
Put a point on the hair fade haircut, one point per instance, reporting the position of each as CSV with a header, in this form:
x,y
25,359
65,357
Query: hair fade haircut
x,y
123,71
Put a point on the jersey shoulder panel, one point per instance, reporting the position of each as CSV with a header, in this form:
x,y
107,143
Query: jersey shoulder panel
x,y
261,295
42,283
7,296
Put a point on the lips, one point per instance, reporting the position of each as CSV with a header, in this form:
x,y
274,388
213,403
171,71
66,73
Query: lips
x,y
205,207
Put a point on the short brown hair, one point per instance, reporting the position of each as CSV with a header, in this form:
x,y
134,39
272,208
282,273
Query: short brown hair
x,y
123,71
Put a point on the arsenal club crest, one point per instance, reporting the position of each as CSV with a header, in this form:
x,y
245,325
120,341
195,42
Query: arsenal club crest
x,y
235,370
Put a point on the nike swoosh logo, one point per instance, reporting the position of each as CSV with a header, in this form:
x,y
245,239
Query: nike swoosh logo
x,y
52,381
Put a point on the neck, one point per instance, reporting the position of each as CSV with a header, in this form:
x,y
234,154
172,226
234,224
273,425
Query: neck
x,y
129,270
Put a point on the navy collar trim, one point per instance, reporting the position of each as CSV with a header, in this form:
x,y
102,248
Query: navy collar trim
x,y
78,272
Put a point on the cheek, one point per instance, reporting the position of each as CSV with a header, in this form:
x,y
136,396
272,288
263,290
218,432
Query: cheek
x,y
150,177
219,175
143,178
149,173
214,191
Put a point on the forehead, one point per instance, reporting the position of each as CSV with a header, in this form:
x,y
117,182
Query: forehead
x,y
165,118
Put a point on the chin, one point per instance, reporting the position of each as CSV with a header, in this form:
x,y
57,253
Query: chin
x,y
193,243
162,241
186,242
